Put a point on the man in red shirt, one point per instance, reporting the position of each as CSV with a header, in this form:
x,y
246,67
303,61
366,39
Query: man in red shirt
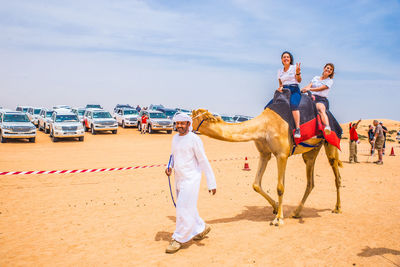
x,y
353,141
144,124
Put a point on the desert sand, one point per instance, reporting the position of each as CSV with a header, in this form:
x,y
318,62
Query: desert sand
x,y
126,218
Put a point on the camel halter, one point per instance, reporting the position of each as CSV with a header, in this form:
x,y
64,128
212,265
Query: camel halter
x,y
201,120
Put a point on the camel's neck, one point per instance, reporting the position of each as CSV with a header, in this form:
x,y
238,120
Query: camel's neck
x,y
236,132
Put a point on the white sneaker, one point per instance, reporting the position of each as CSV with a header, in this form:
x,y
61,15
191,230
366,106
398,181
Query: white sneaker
x,y
327,130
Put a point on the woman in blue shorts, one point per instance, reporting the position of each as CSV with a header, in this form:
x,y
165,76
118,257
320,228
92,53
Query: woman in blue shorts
x,y
319,87
289,77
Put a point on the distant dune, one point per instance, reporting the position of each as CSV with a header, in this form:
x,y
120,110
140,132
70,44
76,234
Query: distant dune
x,y
392,126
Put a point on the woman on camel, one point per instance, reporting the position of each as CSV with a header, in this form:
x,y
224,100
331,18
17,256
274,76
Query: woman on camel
x,y
319,87
289,77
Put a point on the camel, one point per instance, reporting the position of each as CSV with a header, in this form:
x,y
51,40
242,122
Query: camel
x,y
270,134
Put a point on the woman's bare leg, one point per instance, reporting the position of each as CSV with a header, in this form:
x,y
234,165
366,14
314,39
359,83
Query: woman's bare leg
x,y
322,112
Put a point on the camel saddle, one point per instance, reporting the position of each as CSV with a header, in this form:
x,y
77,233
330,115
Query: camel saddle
x,y
310,122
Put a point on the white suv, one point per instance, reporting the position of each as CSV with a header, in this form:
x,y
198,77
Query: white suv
x,y
33,115
65,124
126,117
97,120
16,124
157,121
45,118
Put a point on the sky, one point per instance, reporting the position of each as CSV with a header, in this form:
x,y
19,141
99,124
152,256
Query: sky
x,y
219,55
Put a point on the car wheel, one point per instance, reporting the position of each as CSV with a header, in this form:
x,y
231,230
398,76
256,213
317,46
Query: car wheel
x,y
32,140
123,124
81,138
114,131
3,139
150,129
53,138
169,131
93,130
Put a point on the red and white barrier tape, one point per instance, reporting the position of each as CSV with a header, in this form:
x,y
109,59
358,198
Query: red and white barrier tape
x,y
99,170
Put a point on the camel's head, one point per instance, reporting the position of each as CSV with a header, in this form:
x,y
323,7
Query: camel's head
x,y
203,116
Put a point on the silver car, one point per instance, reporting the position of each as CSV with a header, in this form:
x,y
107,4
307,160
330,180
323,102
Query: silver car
x,y
79,112
45,118
33,115
65,124
97,120
157,121
127,117
15,124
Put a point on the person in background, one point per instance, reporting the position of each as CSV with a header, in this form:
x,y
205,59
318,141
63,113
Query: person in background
x,y
385,130
378,141
144,123
138,108
371,137
319,87
353,141
289,77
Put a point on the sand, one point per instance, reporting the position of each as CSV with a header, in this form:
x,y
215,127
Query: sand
x,y
126,218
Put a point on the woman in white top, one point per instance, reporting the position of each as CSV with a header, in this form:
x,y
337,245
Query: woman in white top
x,y
319,87
289,77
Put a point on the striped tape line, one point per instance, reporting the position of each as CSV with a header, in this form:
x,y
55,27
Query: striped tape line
x,y
102,170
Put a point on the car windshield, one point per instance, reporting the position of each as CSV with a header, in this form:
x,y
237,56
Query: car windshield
x,y
16,118
25,109
185,110
157,115
104,114
81,112
170,113
93,106
242,119
36,111
227,119
66,118
49,114
130,112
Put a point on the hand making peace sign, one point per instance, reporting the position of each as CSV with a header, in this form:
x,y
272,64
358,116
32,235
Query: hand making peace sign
x,y
298,70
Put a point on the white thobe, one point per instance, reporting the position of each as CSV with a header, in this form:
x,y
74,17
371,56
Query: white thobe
x,y
189,160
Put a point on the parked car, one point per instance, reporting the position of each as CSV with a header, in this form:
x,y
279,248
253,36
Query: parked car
x,y
118,106
155,107
127,117
61,107
93,106
16,124
169,112
22,108
79,112
398,137
45,118
65,124
97,120
227,118
33,115
157,121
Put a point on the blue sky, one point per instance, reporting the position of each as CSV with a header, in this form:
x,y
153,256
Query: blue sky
x,y
220,55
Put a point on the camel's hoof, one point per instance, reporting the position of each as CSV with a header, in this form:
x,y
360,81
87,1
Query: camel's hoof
x,y
296,216
277,222
337,211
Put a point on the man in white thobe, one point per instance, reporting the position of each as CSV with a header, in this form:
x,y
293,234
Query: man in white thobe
x,y
189,160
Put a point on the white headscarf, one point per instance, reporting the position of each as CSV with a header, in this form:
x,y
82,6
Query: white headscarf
x,y
183,117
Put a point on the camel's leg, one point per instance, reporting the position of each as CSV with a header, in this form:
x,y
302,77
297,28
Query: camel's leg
x,y
333,156
309,158
281,162
262,165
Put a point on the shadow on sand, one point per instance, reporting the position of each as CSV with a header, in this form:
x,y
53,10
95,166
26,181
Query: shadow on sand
x,y
264,214
369,252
